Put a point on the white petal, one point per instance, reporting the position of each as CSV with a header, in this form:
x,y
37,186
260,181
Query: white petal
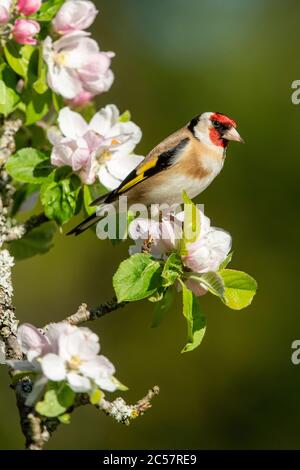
x,y
78,383
79,55
105,119
75,15
55,331
72,124
32,341
198,261
106,383
54,135
121,165
130,129
69,41
78,344
98,366
108,180
53,366
64,82
61,155
219,239
102,84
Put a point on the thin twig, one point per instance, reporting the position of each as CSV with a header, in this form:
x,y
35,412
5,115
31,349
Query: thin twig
x,y
119,410
84,314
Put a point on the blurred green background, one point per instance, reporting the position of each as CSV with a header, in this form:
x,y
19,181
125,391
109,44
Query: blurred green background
x,y
175,59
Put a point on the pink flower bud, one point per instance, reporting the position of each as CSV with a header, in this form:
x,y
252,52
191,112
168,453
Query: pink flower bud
x,y
24,30
83,98
28,7
75,15
4,15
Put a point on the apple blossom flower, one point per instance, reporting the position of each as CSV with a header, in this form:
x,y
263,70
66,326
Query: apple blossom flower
x,y
24,31
204,255
115,158
28,7
164,235
74,15
101,148
5,6
64,353
76,64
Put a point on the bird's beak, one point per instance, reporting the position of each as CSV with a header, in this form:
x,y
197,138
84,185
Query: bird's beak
x,y
232,134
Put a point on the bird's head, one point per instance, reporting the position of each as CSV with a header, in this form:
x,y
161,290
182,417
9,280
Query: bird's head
x,y
214,129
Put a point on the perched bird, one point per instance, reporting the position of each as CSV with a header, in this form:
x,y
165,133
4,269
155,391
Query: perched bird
x,y
187,160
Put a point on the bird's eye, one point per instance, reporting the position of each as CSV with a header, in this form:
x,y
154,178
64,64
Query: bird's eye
x,y
216,124
219,126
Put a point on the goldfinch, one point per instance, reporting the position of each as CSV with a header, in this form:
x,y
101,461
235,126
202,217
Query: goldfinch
x,y
188,160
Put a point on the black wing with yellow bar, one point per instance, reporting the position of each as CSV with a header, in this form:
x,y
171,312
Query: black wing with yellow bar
x,y
148,168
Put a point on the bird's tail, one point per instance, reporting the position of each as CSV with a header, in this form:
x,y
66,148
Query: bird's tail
x,y
85,224
92,219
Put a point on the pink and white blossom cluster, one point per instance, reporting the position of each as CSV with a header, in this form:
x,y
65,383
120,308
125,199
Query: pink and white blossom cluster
x,y
100,149
77,69
64,353
205,254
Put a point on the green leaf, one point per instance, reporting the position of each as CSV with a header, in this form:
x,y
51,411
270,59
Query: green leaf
x,y
9,98
60,198
137,277
58,102
18,57
48,10
96,396
119,384
37,242
240,288
125,117
29,166
191,225
162,307
196,322
211,281
37,105
65,418
226,261
65,394
2,92
57,399
172,270
87,200
41,85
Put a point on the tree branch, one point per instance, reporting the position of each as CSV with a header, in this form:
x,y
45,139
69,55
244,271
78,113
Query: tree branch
x,y
36,429
83,314
119,410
